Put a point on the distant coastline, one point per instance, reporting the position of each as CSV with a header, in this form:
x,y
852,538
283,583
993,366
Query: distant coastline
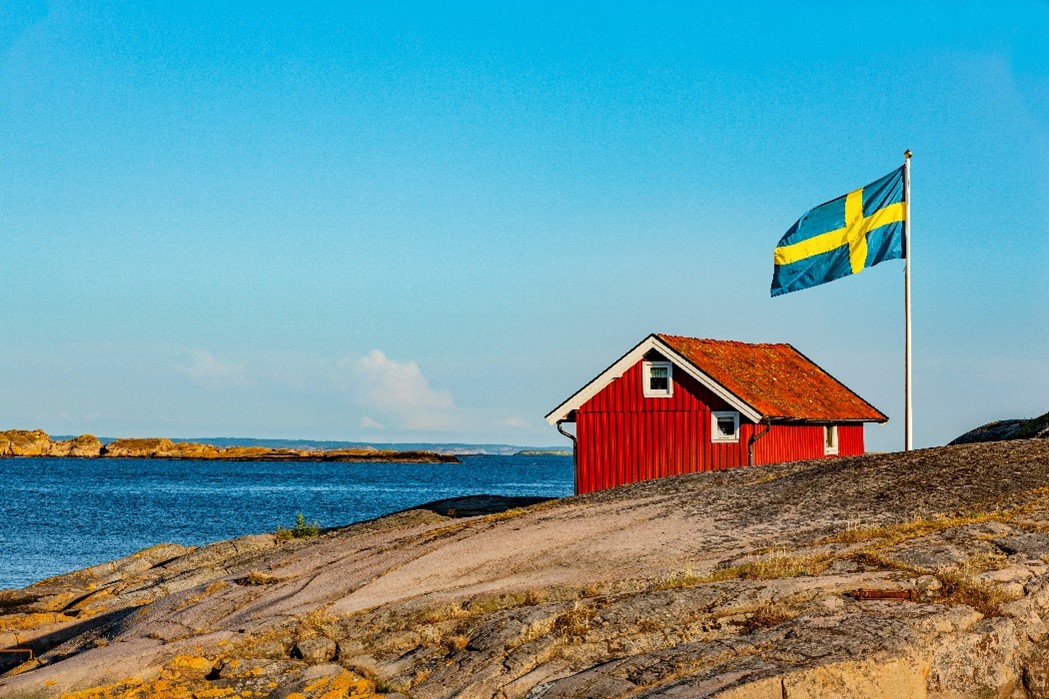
x,y
37,443
544,452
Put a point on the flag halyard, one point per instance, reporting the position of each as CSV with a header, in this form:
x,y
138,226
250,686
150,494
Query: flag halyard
x,y
843,236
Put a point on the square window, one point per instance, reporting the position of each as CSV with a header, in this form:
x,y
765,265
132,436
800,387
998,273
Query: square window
x,y
724,426
830,439
657,379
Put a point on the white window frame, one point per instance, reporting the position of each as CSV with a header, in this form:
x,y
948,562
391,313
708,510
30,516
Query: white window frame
x,y
646,379
832,431
715,433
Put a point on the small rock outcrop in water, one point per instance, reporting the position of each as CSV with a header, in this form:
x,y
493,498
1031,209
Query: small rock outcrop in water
x,y
918,574
24,443
38,443
1033,428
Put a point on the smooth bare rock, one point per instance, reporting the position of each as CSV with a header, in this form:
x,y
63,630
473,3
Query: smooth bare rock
x,y
138,448
1036,673
988,660
315,650
875,576
84,446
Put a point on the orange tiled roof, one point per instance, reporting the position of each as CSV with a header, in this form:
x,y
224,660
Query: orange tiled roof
x,y
775,379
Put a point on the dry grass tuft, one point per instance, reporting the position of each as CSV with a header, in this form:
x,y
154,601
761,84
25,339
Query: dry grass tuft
x,y
960,588
783,565
682,580
574,624
891,534
768,615
778,563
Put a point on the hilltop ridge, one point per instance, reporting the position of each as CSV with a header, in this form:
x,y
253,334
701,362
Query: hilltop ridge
x,y
890,575
1000,430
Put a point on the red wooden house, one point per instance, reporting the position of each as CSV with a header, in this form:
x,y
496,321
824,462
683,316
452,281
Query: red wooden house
x,y
679,404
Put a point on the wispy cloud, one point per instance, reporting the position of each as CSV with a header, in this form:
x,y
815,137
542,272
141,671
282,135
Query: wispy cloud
x,y
370,423
515,422
400,391
208,371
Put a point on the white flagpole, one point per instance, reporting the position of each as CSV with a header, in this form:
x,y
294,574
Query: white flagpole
x,y
908,429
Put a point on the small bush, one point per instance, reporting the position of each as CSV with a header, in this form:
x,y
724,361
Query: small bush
x,y
301,530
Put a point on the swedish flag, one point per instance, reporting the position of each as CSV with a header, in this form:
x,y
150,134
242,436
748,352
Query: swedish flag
x,y
842,237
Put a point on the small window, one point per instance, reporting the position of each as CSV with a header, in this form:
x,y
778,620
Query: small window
x,y
830,439
658,379
724,426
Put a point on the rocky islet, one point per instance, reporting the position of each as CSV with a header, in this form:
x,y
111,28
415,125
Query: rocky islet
x,y
30,443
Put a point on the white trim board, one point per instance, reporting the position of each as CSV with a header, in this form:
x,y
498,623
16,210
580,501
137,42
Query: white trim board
x,y
619,367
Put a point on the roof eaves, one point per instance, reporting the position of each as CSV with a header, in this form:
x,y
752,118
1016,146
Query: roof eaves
x,y
592,387
883,417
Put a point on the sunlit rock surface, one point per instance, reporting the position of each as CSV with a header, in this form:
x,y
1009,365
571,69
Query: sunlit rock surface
x,y
892,575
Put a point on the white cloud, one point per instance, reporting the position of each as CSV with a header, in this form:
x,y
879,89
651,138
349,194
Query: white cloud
x,y
516,422
208,371
399,390
370,423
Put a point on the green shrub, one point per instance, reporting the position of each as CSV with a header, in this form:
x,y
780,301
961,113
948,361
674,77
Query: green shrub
x,y
301,530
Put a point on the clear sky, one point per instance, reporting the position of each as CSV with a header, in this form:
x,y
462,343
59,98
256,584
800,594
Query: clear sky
x,y
435,221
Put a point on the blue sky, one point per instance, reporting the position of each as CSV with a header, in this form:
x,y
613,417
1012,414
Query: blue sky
x,y
433,222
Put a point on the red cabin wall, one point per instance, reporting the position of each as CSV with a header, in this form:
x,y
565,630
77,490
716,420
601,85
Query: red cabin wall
x,y
624,437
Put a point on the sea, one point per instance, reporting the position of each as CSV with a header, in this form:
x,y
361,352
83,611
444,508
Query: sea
x,y
62,514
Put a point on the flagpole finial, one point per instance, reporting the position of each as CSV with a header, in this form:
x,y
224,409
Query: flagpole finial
x,y
907,154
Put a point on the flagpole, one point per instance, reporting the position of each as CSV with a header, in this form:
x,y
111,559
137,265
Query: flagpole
x,y
908,429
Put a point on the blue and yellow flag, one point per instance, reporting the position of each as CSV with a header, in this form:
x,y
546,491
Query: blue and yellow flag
x,y
842,237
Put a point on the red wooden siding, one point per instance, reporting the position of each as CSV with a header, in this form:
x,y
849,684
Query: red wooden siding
x,y
623,437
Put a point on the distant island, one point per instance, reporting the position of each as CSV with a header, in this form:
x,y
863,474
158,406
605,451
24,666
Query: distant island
x,y
544,452
38,443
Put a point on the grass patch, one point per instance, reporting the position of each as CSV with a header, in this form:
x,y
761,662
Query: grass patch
x,y
780,564
682,580
960,588
574,624
890,534
776,564
766,616
957,586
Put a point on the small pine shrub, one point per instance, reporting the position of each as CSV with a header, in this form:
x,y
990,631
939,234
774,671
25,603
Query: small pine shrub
x,y
301,530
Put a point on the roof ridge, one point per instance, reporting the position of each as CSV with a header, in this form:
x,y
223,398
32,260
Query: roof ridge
x,y
723,342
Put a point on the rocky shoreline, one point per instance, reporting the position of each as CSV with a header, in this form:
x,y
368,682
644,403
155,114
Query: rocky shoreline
x,y
920,574
38,443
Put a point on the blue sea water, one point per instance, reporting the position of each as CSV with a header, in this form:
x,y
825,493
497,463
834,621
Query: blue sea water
x,y
59,515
